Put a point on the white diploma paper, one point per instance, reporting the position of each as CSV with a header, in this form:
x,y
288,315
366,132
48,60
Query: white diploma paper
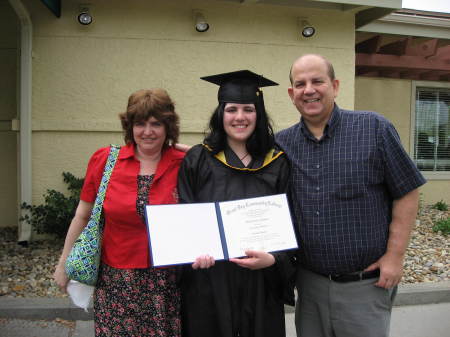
x,y
180,233
257,224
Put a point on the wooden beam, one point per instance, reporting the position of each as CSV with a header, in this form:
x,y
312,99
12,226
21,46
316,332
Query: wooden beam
x,y
433,75
369,46
371,73
410,74
363,36
394,48
401,62
389,72
443,52
425,49
363,70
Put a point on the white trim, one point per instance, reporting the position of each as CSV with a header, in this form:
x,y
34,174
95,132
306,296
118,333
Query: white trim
x,y
404,24
371,3
416,20
24,164
398,28
439,175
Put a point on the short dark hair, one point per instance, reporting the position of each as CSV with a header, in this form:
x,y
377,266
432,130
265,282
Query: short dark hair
x,y
260,142
147,103
330,68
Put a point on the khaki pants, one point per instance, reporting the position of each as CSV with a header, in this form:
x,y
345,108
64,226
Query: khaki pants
x,y
326,308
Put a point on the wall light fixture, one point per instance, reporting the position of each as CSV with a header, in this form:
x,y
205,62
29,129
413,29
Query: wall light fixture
x,y
84,18
307,29
201,25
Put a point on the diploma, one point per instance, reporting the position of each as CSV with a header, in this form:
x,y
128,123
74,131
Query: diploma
x,y
180,233
257,224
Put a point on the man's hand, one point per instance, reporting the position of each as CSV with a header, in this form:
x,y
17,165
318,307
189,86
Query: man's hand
x,y
255,260
404,212
391,270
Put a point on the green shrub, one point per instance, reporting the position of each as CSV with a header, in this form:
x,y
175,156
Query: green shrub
x,y
54,216
443,226
441,206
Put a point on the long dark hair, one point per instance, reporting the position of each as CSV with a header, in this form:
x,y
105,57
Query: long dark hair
x,y
258,144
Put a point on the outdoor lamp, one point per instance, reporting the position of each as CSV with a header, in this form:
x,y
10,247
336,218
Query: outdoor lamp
x,y
201,25
84,18
307,29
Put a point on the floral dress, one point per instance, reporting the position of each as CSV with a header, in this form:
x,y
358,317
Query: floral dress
x,y
137,302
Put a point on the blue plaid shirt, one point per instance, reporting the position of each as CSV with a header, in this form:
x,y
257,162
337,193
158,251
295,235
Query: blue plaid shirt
x,y
342,188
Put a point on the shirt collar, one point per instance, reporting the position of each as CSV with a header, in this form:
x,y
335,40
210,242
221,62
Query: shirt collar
x,y
127,151
329,128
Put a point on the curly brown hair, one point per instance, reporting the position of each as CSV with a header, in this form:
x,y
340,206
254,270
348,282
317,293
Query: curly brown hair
x,y
147,103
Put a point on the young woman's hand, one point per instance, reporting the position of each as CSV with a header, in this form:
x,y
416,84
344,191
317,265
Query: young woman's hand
x,y
203,262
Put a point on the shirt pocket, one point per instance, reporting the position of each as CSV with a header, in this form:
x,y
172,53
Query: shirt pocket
x,y
352,181
350,191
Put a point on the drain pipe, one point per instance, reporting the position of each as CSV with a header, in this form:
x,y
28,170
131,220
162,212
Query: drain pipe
x,y
24,160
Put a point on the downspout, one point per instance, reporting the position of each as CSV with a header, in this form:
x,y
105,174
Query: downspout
x,y
24,161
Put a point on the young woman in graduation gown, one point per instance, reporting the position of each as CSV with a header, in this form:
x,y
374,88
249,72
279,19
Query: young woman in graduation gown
x,y
238,159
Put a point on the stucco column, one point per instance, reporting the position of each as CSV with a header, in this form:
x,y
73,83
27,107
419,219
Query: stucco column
x,y
24,164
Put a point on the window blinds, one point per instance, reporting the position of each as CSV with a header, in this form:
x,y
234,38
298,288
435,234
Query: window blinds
x,y
432,129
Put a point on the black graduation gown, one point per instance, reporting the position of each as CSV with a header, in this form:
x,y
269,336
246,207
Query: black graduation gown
x,y
227,300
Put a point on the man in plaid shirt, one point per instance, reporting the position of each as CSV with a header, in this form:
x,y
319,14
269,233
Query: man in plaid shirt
x,y
354,194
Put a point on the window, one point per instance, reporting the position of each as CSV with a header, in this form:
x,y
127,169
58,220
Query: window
x,y
432,129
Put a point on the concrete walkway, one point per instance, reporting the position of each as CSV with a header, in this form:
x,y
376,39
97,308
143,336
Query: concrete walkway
x,y
421,310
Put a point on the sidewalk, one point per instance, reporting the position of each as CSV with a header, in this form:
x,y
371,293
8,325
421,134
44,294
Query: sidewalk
x,y
421,310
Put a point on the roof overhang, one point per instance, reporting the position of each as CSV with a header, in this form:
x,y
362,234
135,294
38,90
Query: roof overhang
x,y
365,11
407,44
405,23
54,6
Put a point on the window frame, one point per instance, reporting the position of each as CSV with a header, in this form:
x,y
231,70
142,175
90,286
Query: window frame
x,y
438,175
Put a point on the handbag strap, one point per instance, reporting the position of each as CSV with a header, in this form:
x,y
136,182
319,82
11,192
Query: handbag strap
x,y
98,205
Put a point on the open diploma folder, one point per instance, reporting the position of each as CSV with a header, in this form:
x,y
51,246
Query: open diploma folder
x,y
180,233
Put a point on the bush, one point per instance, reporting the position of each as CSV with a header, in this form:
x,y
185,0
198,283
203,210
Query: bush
x,y
442,226
54,216
441,206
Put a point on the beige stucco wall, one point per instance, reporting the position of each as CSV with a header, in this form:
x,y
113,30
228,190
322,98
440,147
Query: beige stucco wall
x,y
8,138
82,76
389,97
392,98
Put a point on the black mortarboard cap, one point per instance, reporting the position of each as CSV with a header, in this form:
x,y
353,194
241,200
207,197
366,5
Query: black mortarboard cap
x,y
239,86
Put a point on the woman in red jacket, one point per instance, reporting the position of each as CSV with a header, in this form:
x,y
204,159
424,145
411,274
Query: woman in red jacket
x,y
132,298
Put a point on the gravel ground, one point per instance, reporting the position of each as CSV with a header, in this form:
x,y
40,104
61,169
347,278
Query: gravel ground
x,y
27,271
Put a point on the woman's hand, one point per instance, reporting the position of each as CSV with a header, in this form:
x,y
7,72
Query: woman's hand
x,y
60,277
80,220
255,260
203,262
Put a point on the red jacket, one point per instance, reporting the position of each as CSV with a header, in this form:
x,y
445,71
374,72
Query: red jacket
x,y
125,239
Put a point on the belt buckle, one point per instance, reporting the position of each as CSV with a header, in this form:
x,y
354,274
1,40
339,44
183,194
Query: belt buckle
x,y
361,275
333,277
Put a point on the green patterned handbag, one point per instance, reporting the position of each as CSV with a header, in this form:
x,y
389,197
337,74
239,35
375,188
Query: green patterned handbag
x,y
84,259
